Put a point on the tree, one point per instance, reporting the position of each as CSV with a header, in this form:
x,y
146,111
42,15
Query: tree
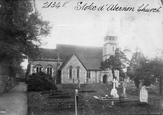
x,y
21,27
141,68
118,61
136,63
157,69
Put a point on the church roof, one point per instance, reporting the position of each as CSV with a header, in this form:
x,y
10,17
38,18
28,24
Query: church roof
x,y
48,53
90,57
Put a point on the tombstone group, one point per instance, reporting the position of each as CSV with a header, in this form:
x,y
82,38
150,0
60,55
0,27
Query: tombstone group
x,y
143,94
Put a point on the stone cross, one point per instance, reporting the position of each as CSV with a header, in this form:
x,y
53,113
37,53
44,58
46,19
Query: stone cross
x,y
114,90
114,83
117,77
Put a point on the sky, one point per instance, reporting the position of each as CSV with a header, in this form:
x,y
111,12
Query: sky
x,y
87,27
75,26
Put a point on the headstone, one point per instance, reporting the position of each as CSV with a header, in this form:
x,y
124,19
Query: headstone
x,y
143,94
114,83
117,77
124,85
114,90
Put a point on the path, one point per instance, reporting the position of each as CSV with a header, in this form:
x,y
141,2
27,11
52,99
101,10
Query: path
x,y
15,101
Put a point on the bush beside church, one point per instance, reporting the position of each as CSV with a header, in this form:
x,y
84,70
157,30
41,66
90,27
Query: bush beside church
x,y
40,82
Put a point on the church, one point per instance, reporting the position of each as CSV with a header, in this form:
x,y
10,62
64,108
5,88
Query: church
x,y
72,64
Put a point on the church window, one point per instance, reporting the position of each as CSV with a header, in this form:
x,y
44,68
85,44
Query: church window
x,y
88,74
78,72
49,70
38,68
70,72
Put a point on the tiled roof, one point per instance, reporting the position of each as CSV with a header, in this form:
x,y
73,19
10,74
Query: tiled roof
x,y
48,53
89,56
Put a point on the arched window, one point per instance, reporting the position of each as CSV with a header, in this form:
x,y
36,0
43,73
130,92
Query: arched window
x,y
38,68
70,72
49,70
88,74
78,72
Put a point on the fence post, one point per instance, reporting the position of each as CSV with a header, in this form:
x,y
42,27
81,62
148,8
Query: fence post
x,y
76,101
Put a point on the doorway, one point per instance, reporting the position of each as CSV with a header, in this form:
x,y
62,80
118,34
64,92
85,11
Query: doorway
x,y
105,79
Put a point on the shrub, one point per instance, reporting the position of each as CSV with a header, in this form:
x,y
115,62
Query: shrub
x,y
40,82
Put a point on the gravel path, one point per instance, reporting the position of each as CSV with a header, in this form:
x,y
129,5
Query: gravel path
x,y
15,101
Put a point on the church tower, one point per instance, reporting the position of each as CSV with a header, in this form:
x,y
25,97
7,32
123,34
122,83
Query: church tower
x,y
111,38
109,47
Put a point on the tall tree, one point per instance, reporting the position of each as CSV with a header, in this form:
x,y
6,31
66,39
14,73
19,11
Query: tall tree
x,y
157,69
118,61
145,69
21,27
135,69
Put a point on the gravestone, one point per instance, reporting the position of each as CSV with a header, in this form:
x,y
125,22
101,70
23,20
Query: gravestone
x,y
116,72
124,85
114,90
143,94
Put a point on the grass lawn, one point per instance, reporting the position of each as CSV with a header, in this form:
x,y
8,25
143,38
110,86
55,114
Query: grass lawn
x,y
61,102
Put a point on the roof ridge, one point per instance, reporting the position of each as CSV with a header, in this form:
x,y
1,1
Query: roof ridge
x,y
78,46
48,48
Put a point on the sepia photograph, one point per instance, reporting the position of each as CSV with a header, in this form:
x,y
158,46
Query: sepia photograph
x,y
81,57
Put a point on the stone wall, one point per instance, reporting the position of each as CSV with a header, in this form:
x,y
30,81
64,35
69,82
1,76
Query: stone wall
x,y
108,73
94,77
44,65
74,63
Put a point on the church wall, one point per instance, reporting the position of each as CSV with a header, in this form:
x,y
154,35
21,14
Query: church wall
x,y
108,73
74,63
44,65
91,80
98,76
95,77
